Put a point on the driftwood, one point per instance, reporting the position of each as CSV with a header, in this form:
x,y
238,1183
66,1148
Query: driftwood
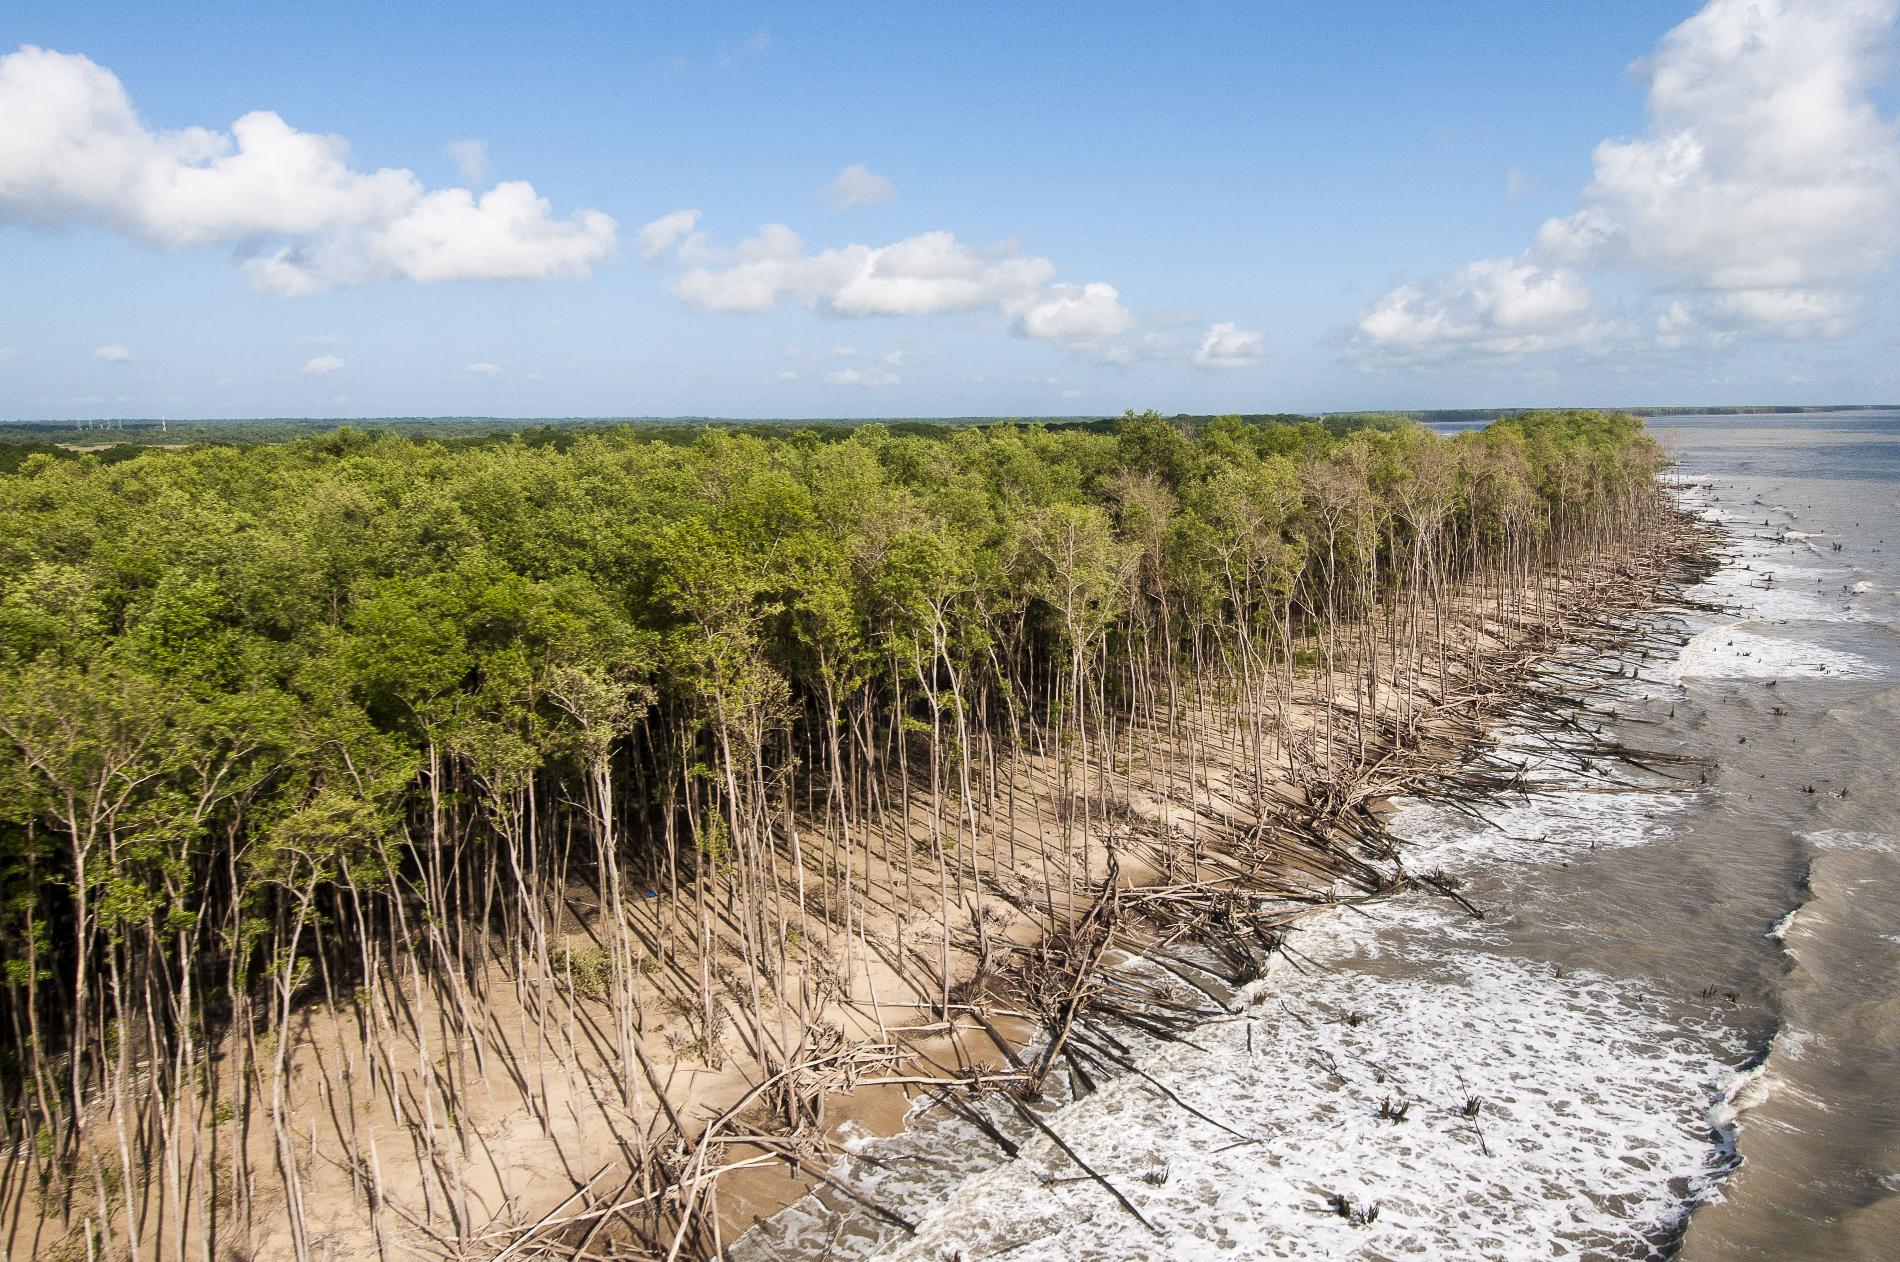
x,y
1029,1115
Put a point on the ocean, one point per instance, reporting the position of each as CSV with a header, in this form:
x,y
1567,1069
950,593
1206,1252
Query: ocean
x,y
1675,1031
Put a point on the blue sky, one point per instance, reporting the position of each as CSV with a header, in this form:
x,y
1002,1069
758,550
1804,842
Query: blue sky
x,y
1195,208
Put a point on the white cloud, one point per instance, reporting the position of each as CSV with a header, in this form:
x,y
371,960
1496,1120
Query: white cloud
x,y
1764,195
323,366
929,274
483,369
1767,166
75,151
844,352
921,275
862,377
1226,345
787,375
506,234
1076,315
471,159
659,237
8,354
895,358
112,353
1817,311
856,186
1489,308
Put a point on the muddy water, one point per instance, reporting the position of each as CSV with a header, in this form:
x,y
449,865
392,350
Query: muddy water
x,y
1675,1030
1819,1129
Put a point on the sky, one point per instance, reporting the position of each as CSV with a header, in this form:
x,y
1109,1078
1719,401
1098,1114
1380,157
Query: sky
x,y
618,209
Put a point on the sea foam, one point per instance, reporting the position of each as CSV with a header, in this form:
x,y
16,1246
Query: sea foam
x,y
1544,1116
1742,651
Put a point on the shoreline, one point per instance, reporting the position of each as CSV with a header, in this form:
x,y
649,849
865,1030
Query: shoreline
x,y
486,1085
1804,1110
871,1086
751,1197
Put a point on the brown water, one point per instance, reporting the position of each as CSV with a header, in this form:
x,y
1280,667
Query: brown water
x,y
1820,1128
1680,1019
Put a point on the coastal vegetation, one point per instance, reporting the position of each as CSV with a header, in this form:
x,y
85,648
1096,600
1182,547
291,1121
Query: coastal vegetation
x,y
364,778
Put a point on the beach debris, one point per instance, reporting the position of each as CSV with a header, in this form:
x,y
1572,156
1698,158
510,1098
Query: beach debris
x,y
1358,1213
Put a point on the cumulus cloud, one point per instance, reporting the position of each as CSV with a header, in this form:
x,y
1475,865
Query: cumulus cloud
x,y
1764,195
1078,315
856,185
471,159
931,273
1493,307
1226,345
112,353
506,234
921,275
75,151
659,237
1767,168
323,366
8,354
483,369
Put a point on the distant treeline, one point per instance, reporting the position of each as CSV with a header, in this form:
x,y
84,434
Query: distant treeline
x,y
143,432
119,440
1346,422
453,429
21,438
1457,416
1765,410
